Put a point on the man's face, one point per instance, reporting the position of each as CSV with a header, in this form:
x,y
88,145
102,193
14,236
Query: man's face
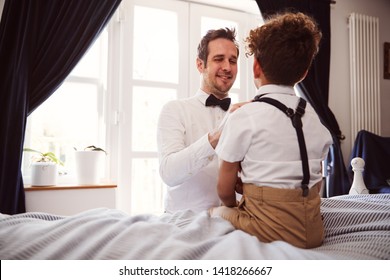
x,y
220,72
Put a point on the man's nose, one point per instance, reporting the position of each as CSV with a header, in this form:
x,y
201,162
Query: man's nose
x,y
226,66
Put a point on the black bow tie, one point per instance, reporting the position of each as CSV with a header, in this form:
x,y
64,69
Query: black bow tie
x,y
213,101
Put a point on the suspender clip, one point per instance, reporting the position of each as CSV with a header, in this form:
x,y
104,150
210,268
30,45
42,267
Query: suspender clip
x,y
300,110
305,190
289,112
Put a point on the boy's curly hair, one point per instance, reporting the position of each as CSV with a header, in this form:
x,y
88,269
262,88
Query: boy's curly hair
x,y
285,46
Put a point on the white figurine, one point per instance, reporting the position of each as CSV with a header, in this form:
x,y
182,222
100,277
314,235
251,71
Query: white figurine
x,y
358,186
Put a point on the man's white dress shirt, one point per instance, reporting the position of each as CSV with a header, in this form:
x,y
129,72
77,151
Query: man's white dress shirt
x,y
264,139
188,163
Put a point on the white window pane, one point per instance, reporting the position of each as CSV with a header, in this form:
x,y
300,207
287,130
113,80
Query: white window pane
x,y
208,23
156,46
67,119
147,104
216,23
93,63
147,187
235,97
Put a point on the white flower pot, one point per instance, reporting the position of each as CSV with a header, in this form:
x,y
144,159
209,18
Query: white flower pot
x,y
43,174
88,167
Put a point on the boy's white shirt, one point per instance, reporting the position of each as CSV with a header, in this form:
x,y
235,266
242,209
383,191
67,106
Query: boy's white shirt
x,y
273,163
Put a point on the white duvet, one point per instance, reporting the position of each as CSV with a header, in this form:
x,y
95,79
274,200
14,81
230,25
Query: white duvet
x,y
356,227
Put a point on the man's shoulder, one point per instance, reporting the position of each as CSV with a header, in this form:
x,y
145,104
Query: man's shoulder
x,y
182,102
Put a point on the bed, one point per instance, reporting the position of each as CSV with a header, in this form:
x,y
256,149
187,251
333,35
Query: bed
x,y
356,227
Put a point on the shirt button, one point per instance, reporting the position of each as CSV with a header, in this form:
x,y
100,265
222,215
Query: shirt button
x,y
210,158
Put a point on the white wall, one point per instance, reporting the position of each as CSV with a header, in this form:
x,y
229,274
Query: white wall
x,y
339,86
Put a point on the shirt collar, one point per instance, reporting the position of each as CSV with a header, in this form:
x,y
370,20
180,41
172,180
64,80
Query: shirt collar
x,y
201,96
276,89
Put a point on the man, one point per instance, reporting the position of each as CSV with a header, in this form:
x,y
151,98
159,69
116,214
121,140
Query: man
x,y
188,131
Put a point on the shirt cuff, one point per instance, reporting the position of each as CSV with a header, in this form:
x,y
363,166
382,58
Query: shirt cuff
x,y
203,151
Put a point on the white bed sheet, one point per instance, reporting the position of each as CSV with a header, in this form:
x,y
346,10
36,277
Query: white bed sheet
x,y
356,227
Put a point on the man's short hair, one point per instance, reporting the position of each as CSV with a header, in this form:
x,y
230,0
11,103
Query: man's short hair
x,y
224,33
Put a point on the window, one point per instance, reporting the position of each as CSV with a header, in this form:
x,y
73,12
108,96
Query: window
x,y
157,75
163,52
73,117
145,58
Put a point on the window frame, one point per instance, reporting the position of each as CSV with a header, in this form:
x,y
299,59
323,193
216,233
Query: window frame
x,y
67,174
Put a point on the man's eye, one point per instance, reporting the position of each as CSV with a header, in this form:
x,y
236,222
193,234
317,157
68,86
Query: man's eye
x,y
233,61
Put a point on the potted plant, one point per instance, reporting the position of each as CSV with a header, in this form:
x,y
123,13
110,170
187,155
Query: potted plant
x,y
43,168
88,165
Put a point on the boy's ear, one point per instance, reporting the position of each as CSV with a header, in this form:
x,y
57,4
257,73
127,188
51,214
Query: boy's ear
x,y
256,69
304,76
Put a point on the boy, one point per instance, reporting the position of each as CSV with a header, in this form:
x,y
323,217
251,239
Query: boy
x,y
279,153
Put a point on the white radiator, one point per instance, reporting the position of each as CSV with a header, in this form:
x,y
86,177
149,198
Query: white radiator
x,y
364,73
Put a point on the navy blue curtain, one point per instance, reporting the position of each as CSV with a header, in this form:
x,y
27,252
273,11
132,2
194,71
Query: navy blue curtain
x,y
315,87
40,43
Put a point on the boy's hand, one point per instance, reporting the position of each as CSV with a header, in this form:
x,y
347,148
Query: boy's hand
x,y
239,188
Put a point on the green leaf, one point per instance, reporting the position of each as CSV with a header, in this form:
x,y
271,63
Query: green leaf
x,y
94,148
45,157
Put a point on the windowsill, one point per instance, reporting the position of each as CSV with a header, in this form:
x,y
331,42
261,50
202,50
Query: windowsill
x,y
68,187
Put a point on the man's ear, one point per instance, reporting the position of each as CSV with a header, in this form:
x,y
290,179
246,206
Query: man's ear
x,y
199,65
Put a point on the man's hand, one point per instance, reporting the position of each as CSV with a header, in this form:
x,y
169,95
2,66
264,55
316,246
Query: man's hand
x,y
238,105
214,137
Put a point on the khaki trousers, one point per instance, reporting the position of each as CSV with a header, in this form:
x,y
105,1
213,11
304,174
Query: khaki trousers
x,y
273,214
